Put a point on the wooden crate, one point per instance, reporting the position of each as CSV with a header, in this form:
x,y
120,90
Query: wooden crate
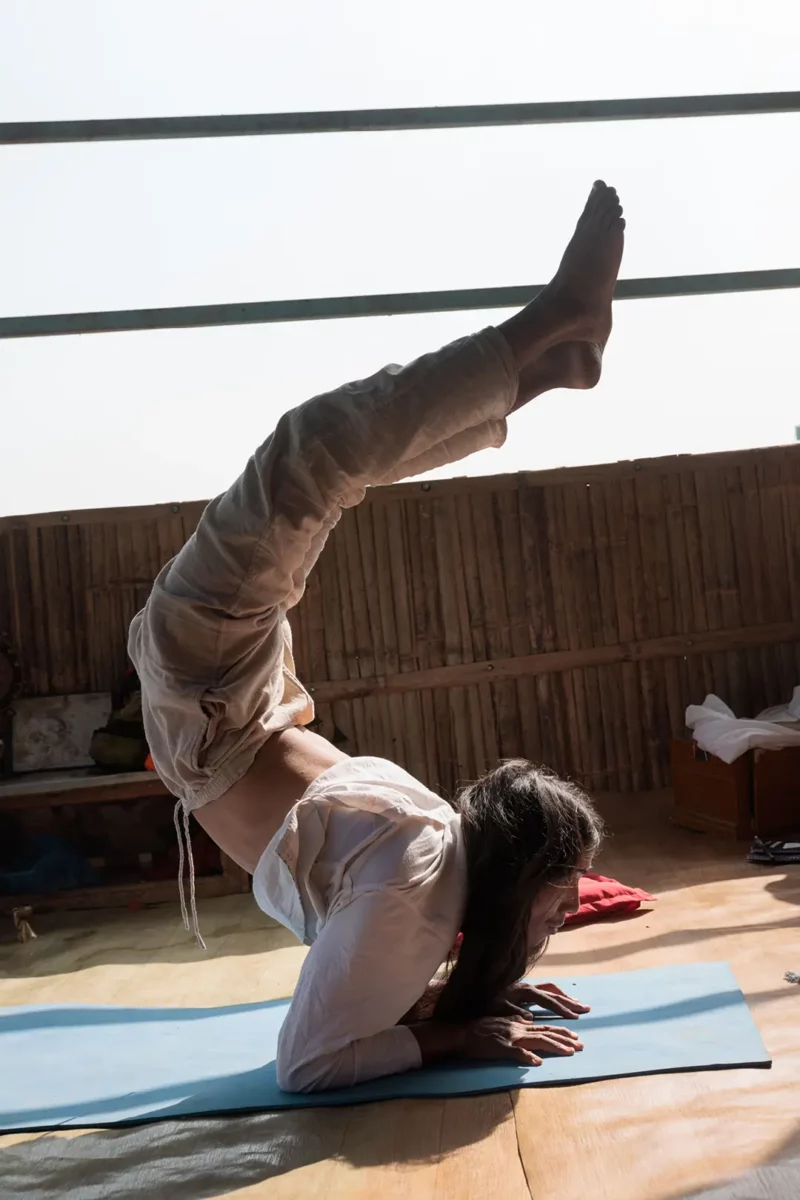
x,y
759,793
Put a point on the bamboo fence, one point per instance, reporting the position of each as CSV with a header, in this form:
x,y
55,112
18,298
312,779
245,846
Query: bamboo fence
x,y
566,616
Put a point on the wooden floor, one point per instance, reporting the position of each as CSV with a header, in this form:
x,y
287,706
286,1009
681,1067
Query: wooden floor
x,y
630,1139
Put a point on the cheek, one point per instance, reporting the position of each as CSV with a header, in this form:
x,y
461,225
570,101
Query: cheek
x,y
551,902
544,906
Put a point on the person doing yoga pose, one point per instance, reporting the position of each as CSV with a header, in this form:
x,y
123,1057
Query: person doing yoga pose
x,y
384,880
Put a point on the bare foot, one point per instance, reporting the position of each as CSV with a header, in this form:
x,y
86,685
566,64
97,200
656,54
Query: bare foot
x,y
576,304
574,365
584,282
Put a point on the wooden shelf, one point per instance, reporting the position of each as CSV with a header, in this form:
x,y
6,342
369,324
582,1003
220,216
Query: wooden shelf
x,y
51,791
27,792
121,895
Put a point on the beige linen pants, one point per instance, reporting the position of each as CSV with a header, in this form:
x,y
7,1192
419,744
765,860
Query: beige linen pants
x,y
212,646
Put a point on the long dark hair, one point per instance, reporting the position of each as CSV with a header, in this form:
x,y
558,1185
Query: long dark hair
x,y
523,828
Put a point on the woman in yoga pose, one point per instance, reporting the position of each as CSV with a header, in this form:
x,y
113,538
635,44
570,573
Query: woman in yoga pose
x,y
361,861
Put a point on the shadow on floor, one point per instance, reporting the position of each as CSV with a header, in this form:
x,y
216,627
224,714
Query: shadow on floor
x,y
685,857
778,1178
788,888
557,959
75,941
208,1157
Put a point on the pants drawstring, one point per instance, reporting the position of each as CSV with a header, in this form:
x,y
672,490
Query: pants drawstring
x,y
181,834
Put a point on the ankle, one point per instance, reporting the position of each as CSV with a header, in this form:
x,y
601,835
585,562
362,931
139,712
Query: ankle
x,y
523,333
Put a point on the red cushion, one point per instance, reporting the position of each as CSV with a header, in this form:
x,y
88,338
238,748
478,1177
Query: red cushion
x,y
602,897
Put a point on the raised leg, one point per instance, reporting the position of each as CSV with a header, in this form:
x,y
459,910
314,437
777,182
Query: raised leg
x,y
212,647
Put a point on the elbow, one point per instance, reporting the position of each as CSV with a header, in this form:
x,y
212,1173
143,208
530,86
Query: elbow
x,y
297,1077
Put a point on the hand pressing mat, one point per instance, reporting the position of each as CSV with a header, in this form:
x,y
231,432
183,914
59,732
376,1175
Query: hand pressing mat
x,y
84,1065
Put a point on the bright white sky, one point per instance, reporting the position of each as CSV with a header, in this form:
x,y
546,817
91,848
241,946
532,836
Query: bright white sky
x,y
145,417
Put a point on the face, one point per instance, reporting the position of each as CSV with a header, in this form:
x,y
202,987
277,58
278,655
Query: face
x,y
553,905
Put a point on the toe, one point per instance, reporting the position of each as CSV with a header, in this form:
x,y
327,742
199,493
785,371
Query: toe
x,y
603,205
597,198
612,210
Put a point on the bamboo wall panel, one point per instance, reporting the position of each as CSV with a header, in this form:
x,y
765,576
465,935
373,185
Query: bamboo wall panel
x,y
567,616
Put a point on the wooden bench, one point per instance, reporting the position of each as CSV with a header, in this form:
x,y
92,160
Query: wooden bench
x,y
55,789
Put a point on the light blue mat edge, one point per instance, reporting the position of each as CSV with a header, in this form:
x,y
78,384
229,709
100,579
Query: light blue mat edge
x,y
695,1018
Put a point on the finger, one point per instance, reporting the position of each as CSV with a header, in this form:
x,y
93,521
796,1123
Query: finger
x,y
559,1029
559,997
550,1044
528,1057
556,1048
555,990
552,987
541,1041
516,1052
521,1014
559,1007
524,993
513,1012
571,1043
560,1035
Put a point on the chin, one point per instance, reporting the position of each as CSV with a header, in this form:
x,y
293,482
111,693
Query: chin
x,y
545,936
536,951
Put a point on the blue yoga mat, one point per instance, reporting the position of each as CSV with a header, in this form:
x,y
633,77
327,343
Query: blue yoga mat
x,y
85,1065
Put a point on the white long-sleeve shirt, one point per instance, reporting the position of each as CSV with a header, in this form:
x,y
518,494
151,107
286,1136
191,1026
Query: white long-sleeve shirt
x,y
369,870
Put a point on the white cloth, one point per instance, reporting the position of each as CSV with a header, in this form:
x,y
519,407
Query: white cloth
x,y
369,870
718,731
783,714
